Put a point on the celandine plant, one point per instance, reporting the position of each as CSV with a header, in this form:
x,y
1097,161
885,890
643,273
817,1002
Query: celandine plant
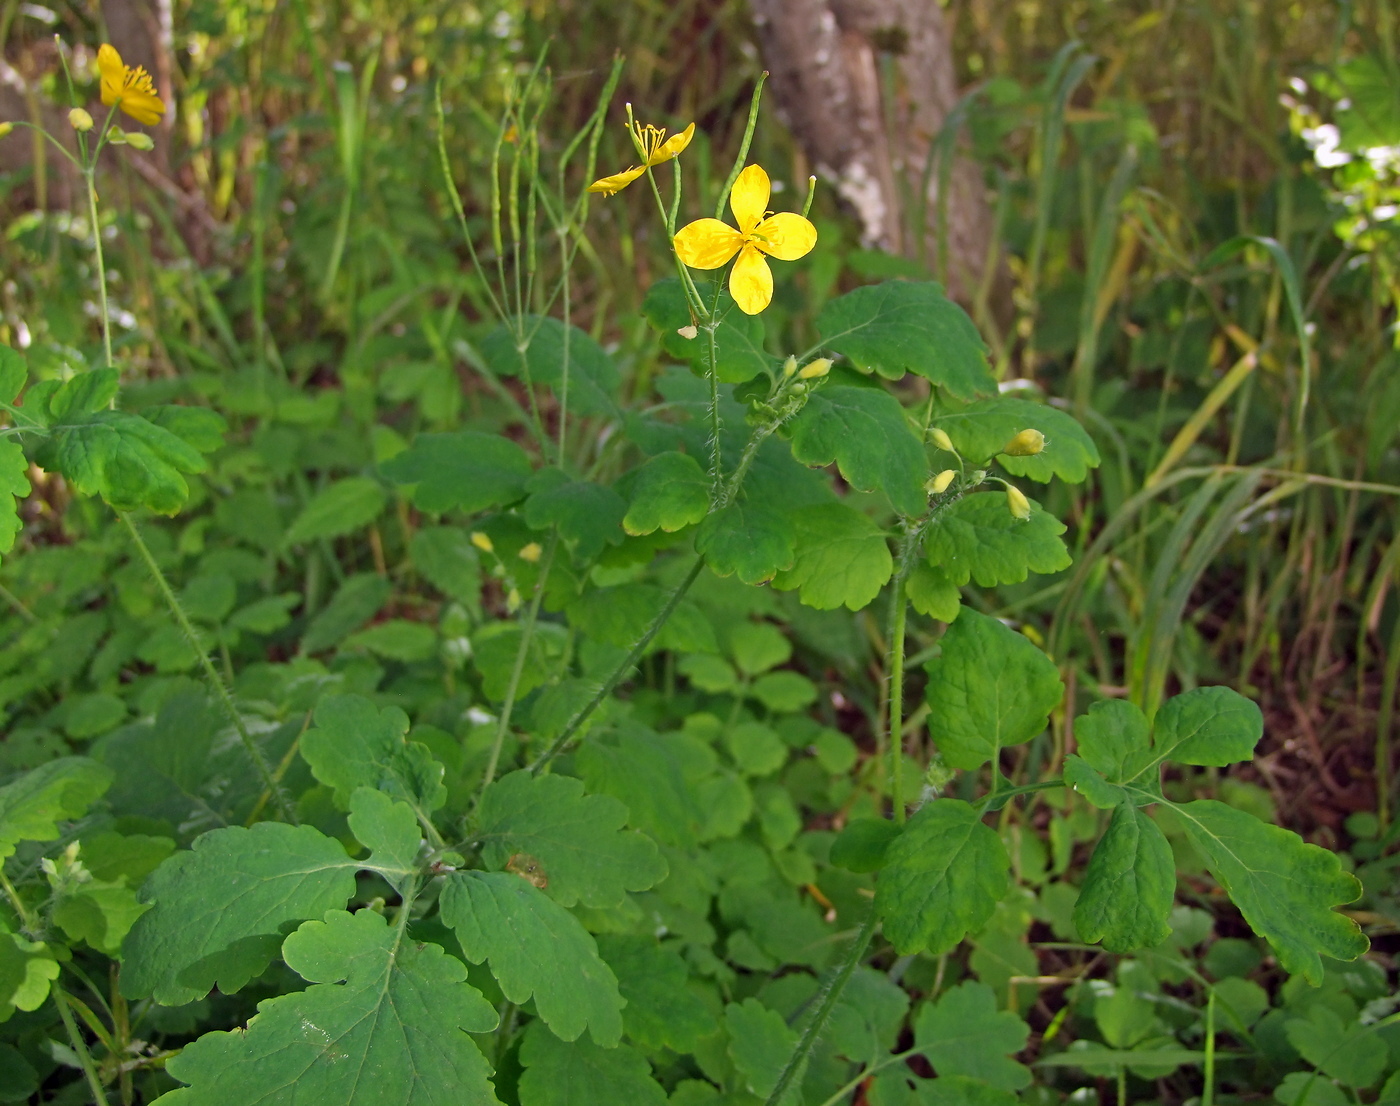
x,y
527,889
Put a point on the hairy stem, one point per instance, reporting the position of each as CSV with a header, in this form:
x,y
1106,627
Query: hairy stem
x,y
829,996
60,999
211,673
620,673
899,610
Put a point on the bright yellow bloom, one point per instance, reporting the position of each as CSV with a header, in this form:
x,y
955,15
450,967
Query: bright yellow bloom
x,y
656,149
1025,444
131,89
80,120
709,243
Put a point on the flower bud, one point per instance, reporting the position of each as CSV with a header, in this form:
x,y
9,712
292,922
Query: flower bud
x,y
482,542
940,438
1025,444
138,141
789,367
1018,504
6,128
799,388
80,120
531,552
939,484
820,367
116,136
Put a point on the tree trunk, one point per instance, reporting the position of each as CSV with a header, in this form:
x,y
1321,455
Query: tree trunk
x,y
830,63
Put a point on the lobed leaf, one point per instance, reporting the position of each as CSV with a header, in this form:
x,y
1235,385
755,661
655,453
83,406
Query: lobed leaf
x,y
660,1011
942,878
748,539
582,1074
965,1034
536,948
32,806
1285,888
1129,885
562,357
384,1017
739,350
865,432
588,515
465,470
354,744
668,492
842,558
978,538
982,429
760,1043
128,461
336,510
900,326
575,842
218,911
991,687
14,486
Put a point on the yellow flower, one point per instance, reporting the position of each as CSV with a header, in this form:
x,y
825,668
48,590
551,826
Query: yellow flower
x,y
656,149
709,243
131,89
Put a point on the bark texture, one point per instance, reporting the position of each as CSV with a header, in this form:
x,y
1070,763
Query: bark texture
x,y
830,63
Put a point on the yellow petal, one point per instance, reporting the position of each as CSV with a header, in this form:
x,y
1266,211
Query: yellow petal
x,y
611,186
785,236
144,107
706,243
748,199
112,71
751,282
672,146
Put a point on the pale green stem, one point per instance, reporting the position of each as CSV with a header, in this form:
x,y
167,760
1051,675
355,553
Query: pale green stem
x,y
101,267
60,999
211,673
829,998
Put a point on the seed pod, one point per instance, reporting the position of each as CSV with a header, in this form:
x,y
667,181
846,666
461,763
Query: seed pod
x,y
1025,444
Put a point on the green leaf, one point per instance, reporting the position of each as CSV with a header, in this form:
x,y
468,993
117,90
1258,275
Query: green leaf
x,y
355,602
965,1034
931,592
842,558
668,492
219,910
749,539
661,1012
535,947
1208,726
990,688
981,430
398,639
978,538
466,470
942,878
12,375
385,1016
496,645
1308,1088
1353,1054
354,744
14,486
865,432
201,427
863,844
740,354
592,377
1113,739
960,1090
644,771
582,1074
32,806
84,394
1284,887
760,1042
390,830
784,692
336,510
1129,885
128,461
448,560
588,515
26,970
903,326
620,615
575,841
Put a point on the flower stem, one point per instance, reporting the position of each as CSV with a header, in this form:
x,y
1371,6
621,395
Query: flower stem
x,y
60,999
620,673
101,266
211,673
829,996
899,609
